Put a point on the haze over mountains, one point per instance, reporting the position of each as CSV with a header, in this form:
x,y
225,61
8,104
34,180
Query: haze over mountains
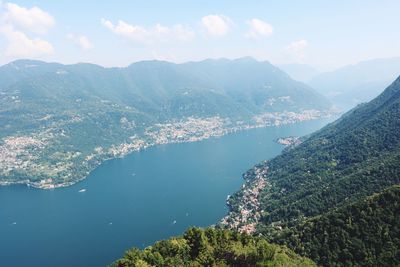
x,y
300,72
50,113
349,85
357,83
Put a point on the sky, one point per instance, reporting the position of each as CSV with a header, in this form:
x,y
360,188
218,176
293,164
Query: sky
x,y
323,34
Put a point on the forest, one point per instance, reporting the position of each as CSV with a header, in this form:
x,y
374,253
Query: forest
x,y
366,233
212,247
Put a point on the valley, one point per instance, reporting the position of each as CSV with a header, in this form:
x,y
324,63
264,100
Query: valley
x,y
199,134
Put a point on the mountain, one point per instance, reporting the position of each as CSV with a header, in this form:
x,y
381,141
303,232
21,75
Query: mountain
x,y
348,86
212,247
58,122
345,162
244,86
300,72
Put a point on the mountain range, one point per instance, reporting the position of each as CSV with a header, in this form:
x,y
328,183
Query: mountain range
x,y
58,122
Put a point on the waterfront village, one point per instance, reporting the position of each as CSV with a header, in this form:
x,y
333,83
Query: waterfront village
x,y
290,141
245,209
24,154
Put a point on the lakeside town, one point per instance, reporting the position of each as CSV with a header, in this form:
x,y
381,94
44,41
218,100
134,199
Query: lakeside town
x,y
25,154
244,205
290,141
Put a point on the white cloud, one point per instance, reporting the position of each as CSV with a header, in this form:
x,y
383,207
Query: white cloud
x,y
21,46
15,22
32,19
259,28
297,48
216,25
158,33
81,40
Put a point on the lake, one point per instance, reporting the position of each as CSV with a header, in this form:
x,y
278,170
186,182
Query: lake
x,y
146,196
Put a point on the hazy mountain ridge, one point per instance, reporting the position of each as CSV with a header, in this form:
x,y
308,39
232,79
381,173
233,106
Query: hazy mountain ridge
x,y
361,82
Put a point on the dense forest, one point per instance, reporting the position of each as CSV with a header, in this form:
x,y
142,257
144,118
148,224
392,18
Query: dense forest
x,y
212,247
366,233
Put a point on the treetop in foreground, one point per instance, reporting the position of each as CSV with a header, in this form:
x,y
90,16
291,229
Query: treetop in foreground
x,y
212,247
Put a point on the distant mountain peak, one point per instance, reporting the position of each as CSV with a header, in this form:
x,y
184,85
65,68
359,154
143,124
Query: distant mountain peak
x,y
246,59
151,62
25,63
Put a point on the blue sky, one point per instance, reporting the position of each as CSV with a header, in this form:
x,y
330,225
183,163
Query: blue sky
x,y
323,34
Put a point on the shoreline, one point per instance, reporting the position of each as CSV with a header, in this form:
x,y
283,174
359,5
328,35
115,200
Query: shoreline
x,y
244,206
48,184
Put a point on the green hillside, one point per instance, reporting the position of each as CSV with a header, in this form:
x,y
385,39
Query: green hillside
x,y
366,233
212,247
314,197
345,161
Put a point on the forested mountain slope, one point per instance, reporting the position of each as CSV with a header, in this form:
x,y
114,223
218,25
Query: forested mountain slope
x,y
315,197
349,159
366,233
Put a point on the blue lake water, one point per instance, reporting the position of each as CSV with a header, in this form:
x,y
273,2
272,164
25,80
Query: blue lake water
x,y
134,201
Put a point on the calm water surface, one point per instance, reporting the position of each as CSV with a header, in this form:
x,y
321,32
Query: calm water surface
x,y
134,201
